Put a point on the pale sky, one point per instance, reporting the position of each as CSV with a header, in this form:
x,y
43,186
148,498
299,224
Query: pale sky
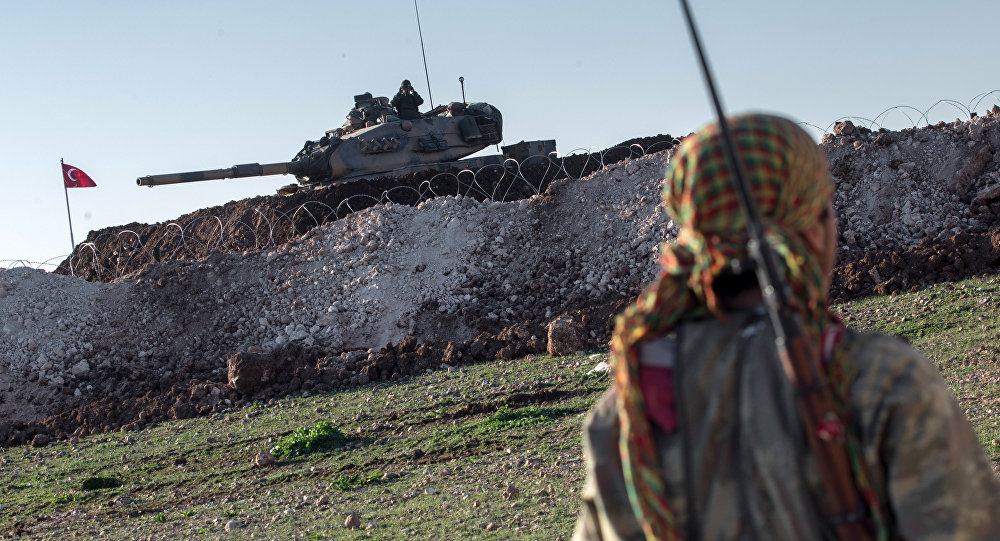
x,y
126,89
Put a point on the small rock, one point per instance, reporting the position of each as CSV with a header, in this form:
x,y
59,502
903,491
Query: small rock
x,y
40,440
510,492
182,410
987,195
430,490
323,500
264,458
844,128
233,525
352,521
563,337
81,368
248,371
492,526
599,368
122,501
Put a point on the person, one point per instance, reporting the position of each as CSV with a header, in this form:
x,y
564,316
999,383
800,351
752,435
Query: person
x,y
407,101
699,436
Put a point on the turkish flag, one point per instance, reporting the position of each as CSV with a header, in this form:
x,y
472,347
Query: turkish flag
x,y
74,178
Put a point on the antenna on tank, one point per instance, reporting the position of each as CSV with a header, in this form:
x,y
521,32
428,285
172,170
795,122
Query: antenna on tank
x,y
424,53
461,81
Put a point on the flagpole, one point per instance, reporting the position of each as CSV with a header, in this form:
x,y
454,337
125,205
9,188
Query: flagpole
x,y
72,243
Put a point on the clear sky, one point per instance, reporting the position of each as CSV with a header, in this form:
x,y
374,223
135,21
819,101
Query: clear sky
x,y
122,89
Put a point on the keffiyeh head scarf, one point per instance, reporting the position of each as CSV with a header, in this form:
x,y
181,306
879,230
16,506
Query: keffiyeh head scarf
x,y
790,182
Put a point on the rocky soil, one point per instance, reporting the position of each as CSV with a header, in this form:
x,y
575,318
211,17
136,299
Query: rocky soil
x,y
395,289
917,206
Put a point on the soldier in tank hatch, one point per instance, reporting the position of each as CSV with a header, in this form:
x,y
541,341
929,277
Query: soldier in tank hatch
x,y
406,101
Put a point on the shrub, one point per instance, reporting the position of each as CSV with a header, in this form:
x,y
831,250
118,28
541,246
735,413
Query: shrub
x,y
323,436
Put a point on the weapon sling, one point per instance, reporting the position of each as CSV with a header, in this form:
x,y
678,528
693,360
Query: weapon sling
x,y
799,358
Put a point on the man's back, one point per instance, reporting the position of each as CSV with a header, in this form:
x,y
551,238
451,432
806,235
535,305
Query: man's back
x,y
738,449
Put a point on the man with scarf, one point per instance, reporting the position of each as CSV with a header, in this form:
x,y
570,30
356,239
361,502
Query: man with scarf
x,y
700,437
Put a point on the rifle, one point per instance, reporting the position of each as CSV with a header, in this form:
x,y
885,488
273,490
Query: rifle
x,y
799,357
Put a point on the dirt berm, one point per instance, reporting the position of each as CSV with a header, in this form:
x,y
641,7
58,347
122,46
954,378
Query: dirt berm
x,y
398,288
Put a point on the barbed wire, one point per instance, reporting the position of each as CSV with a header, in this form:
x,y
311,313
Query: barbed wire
x,y
128,250
915,117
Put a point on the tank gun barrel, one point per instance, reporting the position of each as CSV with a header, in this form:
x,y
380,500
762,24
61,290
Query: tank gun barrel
x,y
236,171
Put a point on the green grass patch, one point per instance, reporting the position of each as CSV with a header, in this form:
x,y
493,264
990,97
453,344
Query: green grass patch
x,y
70,497
345,483
322,436
505,418
160,517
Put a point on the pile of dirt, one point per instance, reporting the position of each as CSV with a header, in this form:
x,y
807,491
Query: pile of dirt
x,y
393,289
886,271
916,206
452,278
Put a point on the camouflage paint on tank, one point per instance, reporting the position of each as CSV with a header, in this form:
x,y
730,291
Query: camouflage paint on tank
x,y
388,147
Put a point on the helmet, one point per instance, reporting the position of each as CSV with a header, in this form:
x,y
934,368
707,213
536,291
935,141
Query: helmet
x,y
405,83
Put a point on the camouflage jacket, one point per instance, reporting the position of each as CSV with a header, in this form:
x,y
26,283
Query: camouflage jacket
x,y
752,474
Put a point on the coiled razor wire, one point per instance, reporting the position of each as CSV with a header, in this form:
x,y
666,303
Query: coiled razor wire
x,y
916,117
128,251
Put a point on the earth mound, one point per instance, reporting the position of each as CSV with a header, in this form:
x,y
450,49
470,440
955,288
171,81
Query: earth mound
x,y
398,287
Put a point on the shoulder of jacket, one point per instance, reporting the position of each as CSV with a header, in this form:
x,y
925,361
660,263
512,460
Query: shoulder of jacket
x,y
885,361
870,346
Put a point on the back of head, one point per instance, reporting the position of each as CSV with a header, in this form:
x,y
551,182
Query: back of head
x,y
789,181
785,168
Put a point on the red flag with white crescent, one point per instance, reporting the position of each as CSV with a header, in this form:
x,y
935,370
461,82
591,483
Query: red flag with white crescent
x,y
74,178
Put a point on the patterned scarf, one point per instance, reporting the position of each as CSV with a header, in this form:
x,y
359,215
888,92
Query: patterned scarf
x,y
790,182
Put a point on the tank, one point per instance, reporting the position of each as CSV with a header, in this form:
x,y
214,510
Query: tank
x,y
374,141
